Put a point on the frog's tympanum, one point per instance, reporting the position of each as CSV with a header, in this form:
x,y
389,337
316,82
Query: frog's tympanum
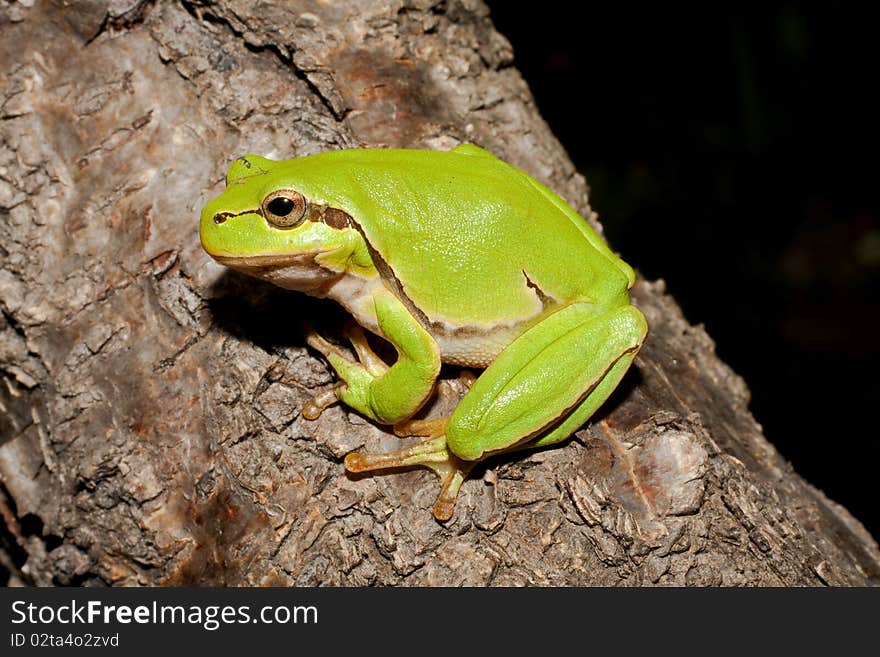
x,y
452,257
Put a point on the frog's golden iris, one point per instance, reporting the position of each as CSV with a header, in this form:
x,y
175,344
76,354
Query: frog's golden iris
x,y
284,208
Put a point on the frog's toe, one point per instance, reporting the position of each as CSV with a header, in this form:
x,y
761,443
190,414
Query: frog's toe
x,y
451,478
367,357
425,452
320,344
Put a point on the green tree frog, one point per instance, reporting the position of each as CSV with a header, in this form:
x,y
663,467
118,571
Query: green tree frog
x,y
452,257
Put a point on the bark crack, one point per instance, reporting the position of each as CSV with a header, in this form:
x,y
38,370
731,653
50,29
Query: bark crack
x,y
279,51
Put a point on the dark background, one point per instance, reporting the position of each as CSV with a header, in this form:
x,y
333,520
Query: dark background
x,y
734,153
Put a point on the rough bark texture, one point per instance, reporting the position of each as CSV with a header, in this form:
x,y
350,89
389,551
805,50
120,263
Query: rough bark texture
x,y
151,430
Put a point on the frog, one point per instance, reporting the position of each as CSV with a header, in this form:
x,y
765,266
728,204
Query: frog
x,y
454,258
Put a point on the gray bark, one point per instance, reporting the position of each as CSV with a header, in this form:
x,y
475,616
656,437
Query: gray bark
x,y
151,430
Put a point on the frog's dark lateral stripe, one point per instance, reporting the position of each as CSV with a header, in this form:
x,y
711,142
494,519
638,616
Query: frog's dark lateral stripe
x,y
318,213
332,217
221,217
339,219
388,273
390,277
336,218
545,299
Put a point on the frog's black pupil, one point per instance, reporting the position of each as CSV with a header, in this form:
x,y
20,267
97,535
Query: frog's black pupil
x,y
280,206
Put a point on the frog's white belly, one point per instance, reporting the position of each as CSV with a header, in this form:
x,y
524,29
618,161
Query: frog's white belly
x,y
475,345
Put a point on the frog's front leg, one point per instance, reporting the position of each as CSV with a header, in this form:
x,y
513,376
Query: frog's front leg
x,y
313,408
391,395
385,394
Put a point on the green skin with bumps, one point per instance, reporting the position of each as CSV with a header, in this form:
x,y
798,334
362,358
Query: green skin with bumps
x,y
452,257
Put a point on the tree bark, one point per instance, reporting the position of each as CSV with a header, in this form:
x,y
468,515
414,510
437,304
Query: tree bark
x,y
151,431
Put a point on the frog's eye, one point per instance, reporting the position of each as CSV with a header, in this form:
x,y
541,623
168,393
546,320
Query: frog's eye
x,y
284,208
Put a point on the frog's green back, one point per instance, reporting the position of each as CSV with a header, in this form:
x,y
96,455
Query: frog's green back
x,y
469,237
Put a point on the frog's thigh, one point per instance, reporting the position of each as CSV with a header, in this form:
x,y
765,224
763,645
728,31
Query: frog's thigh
x,y
591,403
571,360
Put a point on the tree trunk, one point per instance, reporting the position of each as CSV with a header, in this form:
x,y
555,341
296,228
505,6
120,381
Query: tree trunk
x,y
151,431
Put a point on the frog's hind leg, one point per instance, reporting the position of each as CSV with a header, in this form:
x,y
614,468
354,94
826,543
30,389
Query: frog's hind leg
x,y
537,392
430,453
433,428
587,407
547,382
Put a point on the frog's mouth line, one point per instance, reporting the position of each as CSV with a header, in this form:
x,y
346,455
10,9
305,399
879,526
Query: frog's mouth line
x,y
298,271
267,261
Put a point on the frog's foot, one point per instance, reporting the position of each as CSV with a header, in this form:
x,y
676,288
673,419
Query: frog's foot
x,y
367,358
429,453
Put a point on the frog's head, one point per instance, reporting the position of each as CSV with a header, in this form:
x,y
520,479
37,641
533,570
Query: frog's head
x,y
264,226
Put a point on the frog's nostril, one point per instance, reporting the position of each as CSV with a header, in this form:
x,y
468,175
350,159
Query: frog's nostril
x,y
220,217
